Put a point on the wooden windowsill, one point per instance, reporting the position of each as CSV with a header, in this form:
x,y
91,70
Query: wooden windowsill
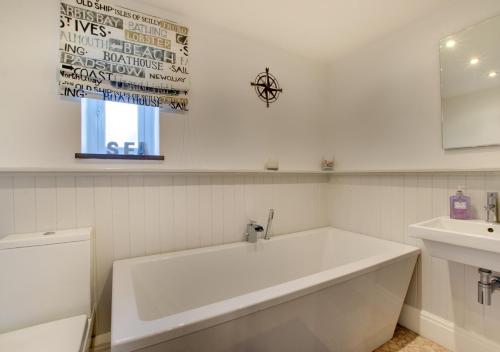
x,y
118,156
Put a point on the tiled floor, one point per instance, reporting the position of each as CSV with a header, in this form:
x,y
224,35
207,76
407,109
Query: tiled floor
x,y
405,340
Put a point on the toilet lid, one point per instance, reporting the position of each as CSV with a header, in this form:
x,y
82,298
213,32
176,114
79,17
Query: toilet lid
x,y
64,335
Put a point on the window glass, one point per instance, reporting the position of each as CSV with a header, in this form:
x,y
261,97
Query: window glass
x,y
121,123
118,128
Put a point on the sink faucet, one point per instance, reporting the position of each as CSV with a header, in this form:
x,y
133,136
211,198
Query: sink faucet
x,y
491,207
253,230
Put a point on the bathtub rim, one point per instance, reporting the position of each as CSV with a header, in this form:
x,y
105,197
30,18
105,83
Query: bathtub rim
x,y
129,332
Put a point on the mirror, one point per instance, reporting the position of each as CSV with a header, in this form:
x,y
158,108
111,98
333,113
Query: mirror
x,y
470,86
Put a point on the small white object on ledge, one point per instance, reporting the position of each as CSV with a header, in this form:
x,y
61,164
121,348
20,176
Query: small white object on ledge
x,y
272,164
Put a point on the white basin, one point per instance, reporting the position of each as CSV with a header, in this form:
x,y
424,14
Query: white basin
x,y
471,242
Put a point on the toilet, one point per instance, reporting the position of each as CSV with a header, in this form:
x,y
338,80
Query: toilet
x,y
45,300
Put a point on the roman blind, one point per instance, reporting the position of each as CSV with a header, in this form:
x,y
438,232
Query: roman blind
x,y
117,54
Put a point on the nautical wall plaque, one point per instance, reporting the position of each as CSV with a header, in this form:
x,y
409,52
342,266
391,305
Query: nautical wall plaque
x,y
117,54
267,87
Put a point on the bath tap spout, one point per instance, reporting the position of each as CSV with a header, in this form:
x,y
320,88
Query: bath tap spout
x,y
253,230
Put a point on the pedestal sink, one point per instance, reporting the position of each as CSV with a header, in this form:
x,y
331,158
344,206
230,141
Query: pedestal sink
x,y
471,242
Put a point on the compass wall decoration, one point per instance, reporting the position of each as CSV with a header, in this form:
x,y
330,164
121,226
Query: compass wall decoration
x,y
267,87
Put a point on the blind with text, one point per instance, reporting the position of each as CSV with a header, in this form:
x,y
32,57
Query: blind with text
x,y
117,54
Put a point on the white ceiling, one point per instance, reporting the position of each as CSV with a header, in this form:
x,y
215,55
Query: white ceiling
x,y
319,29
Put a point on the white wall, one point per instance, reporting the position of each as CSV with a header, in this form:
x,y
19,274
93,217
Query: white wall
x,y
227,125
137,215
384,205
385,109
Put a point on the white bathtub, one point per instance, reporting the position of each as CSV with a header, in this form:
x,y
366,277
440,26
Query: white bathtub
x,y
314,291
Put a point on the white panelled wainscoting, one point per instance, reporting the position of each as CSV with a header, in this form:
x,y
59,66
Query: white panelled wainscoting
x,y
136,215
442,298
141,214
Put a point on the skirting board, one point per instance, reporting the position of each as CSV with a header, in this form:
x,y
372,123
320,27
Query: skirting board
x,y
444,332
101,343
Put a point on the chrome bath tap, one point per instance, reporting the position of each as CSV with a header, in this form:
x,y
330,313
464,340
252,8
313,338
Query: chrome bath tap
x,y
253,229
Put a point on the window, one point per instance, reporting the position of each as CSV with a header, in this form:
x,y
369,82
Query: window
x,y
111,128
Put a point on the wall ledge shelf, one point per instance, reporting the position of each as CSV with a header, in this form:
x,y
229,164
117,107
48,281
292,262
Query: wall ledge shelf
x,y
151,170
79,169
95,169
415,171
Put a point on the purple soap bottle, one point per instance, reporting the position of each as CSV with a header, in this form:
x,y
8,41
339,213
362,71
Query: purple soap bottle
x,y
460,207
